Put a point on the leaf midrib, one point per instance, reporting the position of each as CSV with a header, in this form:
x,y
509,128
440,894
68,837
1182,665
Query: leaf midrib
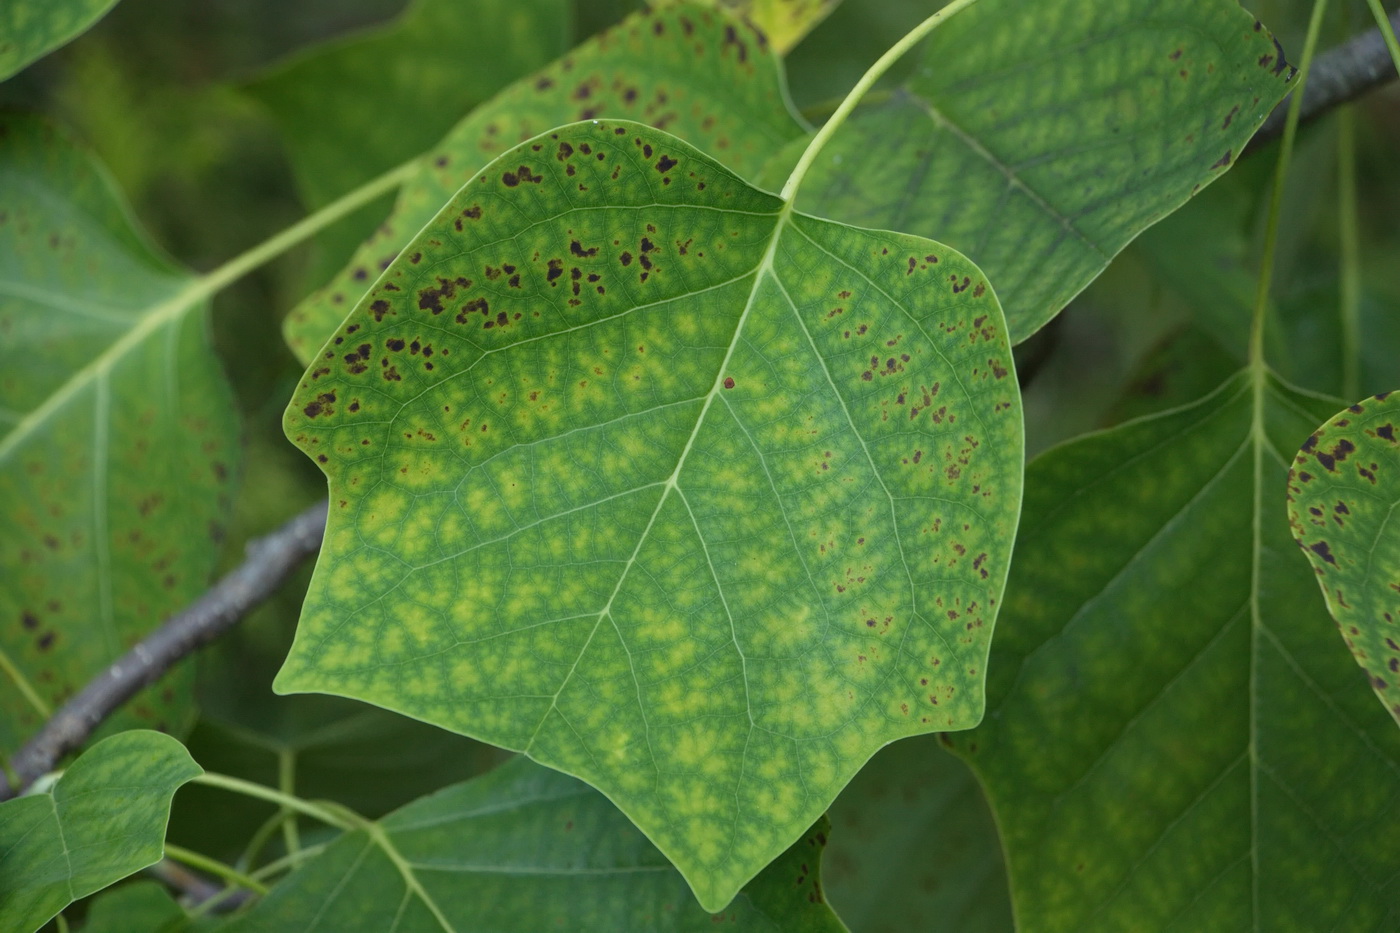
x,y
762,270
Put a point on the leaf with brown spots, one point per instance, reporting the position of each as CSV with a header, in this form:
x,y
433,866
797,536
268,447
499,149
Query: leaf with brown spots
x,y
1041,138
705,517
1343,492
534,862
118,439
687,69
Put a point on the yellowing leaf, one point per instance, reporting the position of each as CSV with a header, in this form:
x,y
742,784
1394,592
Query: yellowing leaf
x,y
636,470
1342,495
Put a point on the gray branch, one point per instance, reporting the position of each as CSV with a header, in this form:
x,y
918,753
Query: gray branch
x,y
270,560
1342,74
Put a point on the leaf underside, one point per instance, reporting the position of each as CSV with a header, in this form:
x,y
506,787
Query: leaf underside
x,y
103,820
119,439
1342,496
526,849
1040,139
694,498
684,68
1174,739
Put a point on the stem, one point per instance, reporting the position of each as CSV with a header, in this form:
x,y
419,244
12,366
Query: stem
x,y
289,861
271,868
269,249
270,560
1285,157
867,80
1349,236
316,811
260,837
25,687
1387,33
286,783
218,869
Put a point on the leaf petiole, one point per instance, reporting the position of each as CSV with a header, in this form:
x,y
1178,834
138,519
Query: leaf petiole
x,y
329,813
873,74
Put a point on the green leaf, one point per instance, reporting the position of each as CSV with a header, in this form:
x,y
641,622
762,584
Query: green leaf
x,y
119,437
1174,738
144,906
685,69
674,489
913,847
388,95
30,29
1342,494
524,849
101,821
1040,139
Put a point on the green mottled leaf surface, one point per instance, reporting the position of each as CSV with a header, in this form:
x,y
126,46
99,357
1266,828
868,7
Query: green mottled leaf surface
x,y
1175,740
101,821
30,29
686,69
637,471
1039,139
118,440
1342,494
526,849
388,95
913,847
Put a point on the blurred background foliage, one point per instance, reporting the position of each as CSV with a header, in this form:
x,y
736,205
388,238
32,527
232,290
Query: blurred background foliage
x,y
187,103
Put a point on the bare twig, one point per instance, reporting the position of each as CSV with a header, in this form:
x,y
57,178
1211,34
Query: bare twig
x,y
270,560
1338,75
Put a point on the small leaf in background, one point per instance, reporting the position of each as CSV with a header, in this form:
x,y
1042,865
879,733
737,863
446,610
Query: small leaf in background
x,y
135,907
30,29
638,472
1040,139
1175,739
913,847
783,22
102,820
119,446
1342,494
685,68
526,849
388,95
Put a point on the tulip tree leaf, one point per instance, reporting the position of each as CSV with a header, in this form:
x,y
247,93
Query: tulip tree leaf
x,y
1342,496
636,470
31,29
144,906
118,439
525,849
101,821
686,69
1175,740
1040,139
